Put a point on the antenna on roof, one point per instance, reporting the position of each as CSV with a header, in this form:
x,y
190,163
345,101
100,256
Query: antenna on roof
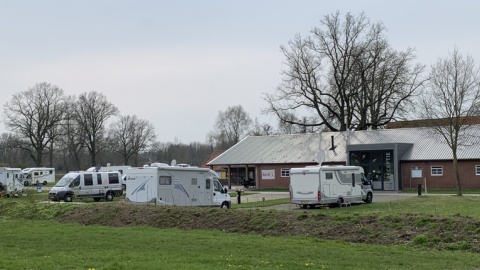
x,y
321,156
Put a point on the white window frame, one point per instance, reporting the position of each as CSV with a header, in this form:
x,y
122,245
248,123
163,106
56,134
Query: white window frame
x,y
477,170
438,170
285,172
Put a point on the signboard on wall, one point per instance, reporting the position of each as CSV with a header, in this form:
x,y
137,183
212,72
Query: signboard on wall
x,y
268,174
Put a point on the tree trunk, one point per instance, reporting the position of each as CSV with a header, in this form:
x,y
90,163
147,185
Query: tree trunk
x,y
457,175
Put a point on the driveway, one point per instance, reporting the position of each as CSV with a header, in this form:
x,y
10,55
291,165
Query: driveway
x,y
378,196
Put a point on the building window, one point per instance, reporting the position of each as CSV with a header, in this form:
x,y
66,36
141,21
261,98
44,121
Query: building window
x,y
285,173
437,170
477,169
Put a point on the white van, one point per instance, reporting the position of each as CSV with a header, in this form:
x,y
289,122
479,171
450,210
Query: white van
x,y
176,185
318,185
122,169
96,185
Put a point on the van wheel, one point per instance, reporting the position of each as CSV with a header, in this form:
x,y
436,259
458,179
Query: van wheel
x,y
44,183
109,197
68,198
97,199
225,205
369,198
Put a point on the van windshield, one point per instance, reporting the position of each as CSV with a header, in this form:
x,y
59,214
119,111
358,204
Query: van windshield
x,y
65,181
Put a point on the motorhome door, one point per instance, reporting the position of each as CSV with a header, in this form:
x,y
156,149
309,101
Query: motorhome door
x,y
208,192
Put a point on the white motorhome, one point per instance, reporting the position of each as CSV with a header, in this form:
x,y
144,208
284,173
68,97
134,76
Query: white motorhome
x,y
41,175
96,185
176,185
319,185
11,181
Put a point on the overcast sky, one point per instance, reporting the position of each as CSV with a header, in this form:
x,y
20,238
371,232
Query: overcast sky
x,y
178,63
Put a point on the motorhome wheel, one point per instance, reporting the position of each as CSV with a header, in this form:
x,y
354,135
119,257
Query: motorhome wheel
x,y
225,205
369,198
25,183
44,183
339,201
109,197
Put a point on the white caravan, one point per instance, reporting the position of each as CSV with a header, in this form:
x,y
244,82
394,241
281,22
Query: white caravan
x,y
319,185
11,181
176,185
41,175
96,185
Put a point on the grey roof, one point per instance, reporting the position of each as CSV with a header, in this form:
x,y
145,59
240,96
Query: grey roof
x,y
303,148
427,145
278,149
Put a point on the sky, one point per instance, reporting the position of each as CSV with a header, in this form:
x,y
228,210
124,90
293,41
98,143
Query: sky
x,y
178,63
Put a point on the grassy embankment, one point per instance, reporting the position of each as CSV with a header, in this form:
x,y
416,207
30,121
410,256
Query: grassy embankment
x,y
34,239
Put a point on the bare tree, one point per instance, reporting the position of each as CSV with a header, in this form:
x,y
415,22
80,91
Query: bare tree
x,y
71,141
346,75
452,98
92,110
130,136
259,129
33,114
230,126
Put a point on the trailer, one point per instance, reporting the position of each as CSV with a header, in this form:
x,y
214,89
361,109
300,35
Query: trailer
x,y
11,182
328,185
38,175
175,185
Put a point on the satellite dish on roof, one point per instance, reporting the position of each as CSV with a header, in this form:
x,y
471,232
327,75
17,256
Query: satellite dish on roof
x,y
321,156
174,162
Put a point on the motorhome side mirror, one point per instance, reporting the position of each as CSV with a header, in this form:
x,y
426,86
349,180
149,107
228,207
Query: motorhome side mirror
x,y
225,191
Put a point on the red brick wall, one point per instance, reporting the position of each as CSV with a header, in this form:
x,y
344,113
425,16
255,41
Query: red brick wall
x,y
468,178
279,181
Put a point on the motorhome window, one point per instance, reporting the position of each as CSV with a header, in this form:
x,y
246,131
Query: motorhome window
x,y
328,175
88,179
165,180
217,186
285,173
50,172
36,173
113,178
194,181
207,183
99,179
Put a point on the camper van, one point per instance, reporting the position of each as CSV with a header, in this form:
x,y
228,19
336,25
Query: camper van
x,y
320,185
108,168
11,182
96,185
176,185
32,176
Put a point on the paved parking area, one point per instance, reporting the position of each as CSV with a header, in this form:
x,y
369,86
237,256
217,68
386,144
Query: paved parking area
x,y
379,196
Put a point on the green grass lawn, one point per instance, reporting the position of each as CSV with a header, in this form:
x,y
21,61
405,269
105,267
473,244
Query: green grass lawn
x,y
32,241
47,245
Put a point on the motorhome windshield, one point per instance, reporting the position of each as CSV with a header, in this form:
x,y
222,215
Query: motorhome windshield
x,y
65,181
